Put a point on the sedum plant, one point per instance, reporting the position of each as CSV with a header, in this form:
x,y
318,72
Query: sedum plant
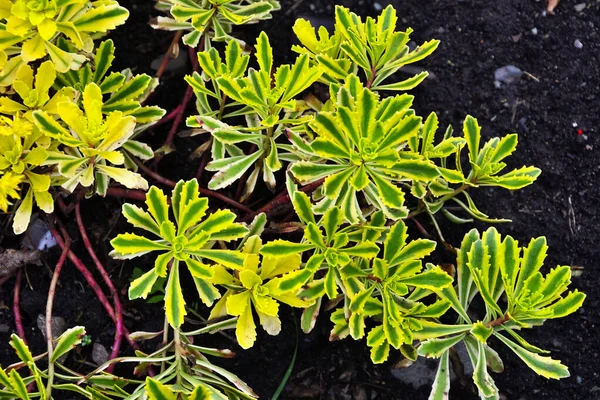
x,y
211,19
188,240
358,164
265,97
35,29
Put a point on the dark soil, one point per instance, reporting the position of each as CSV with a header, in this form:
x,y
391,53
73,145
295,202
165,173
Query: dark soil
x,y
556,115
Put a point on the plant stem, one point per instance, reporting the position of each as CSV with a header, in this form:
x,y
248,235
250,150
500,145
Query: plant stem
x,y
167,58
131,194
283,198
204,192
111,287
17,307
92,282
164,342
178,355
49,305
498,321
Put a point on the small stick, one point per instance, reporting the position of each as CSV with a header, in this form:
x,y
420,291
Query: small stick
x,y
204,192
49,305
17,307
111,287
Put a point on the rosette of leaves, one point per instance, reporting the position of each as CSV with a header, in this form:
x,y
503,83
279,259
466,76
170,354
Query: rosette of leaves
x,y
333,249
373,46
256,287
124,92
23,149
212,19
380,290
362,145
34,386
488,268
487,168
34,92
33,28
189,240
268,104
91,141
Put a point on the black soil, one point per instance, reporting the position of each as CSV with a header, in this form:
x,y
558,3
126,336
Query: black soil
x,y
554,109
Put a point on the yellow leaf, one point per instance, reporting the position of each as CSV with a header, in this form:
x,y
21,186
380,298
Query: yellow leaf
x,y
23,214
249,279
238,304
245,329
33,49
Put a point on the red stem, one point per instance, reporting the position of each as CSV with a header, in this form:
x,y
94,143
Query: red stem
x,y
49,305
111,287
17,307
189,92
93,284
283,198
169,117
130,194
204,192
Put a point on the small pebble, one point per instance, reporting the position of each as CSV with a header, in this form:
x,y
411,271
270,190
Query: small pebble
x,y
378,7
580,7
578,44
579,379
507,74
534,31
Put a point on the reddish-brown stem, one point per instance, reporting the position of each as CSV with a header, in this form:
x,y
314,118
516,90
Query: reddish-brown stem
x,y
111,287
204,192
49,305
17,306
168,54
130,194
203,163
169,117
498,321
189,92
283,198
93,284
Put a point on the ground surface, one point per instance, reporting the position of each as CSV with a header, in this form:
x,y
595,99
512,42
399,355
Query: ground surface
x,y
477,38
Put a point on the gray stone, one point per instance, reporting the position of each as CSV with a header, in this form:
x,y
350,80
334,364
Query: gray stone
x,y
507,74
577,43
580,7
99,354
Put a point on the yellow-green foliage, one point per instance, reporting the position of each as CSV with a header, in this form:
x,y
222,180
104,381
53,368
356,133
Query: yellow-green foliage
x,y
60,29
60,127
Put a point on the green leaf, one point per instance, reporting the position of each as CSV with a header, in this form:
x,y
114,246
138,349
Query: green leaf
x,y
131,244
544,366
102,18
481,377
441,385
140,218
142,286
67,341
390,194
264,53
436,348
472,132
174,302
157,205
155,390
433,279
303,207
233,171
